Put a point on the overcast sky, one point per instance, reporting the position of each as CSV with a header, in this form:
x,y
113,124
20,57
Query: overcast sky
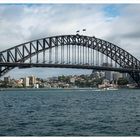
x,y
119,24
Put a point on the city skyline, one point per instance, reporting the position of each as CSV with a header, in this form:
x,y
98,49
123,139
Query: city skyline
x,y
116,23
97,79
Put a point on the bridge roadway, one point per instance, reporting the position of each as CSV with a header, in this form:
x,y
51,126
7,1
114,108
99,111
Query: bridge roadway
x,y
76,66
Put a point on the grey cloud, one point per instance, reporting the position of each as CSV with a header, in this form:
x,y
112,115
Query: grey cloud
x,y
133,35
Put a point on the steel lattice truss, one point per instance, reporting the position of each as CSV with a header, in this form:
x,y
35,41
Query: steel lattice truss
x,y
17,56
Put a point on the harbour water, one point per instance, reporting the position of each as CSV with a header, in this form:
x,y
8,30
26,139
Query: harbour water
x,y
69,112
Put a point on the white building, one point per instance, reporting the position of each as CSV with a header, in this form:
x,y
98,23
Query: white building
x,y
36,85
72,79
26,82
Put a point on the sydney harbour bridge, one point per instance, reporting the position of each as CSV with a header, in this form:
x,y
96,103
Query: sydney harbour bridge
x,y
70,51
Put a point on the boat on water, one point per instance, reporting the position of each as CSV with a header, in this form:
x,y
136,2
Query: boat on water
x,y
109,88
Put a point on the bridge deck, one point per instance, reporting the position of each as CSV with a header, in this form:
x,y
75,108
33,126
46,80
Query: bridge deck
x,y
76,66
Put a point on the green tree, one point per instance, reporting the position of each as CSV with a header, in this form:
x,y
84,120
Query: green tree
x,y
122,81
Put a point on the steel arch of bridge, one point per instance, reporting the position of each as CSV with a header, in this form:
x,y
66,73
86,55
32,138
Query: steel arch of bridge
x,y
16,56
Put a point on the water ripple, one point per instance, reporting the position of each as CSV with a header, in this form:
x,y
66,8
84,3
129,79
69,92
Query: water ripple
x,y
70,113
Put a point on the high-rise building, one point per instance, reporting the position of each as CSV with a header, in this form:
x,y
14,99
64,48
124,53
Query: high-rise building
x,y
26,82
7,79
108,74
32,80
116,75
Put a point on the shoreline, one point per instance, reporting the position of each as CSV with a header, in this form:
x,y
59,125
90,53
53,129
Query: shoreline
x,y
26,89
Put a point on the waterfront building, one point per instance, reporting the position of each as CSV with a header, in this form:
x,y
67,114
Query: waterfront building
x,y
26,82
116,75
32,80
36,85
7,79
72,79
19,82
108,74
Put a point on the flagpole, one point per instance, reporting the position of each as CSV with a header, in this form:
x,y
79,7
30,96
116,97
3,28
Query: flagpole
x,y
84,30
